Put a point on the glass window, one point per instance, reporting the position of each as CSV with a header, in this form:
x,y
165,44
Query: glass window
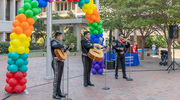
x,y
8,10
16,8
62,6
65,6
57,4
69,6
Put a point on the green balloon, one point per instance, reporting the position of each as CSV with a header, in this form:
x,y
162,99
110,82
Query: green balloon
x,y
89,24
91,32
23,68
94,24
9,55
100,23
8,66
14,56
34,4
10,61
99,27
91,28
27,1
95,32
24,56
35,11
13,68
19,62
21,11
101,31
27,6
29,13
26,62
40,10
35,18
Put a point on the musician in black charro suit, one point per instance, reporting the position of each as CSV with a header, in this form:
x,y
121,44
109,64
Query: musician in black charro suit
x,y
86,45
120,49
58,71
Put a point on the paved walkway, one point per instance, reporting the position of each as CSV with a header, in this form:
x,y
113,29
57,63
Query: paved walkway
x,y
151,82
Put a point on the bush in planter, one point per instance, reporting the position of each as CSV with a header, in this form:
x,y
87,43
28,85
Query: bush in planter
x,y
4,47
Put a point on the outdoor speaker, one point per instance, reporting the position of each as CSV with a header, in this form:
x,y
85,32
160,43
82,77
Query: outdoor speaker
x,y
173,31
110,64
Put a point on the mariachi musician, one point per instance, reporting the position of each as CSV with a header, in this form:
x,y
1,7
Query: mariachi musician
x,y
120,48
86,45
56,44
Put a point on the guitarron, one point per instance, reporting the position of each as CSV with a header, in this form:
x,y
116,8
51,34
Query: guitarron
x,y
96,53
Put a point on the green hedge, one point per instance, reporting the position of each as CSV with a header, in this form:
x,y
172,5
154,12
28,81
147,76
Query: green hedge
x,y
4,47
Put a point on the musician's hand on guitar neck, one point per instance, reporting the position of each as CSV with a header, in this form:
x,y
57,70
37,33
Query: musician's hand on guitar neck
x,y
97,46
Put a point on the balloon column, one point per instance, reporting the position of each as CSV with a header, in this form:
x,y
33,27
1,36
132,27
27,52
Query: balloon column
x,y
20,38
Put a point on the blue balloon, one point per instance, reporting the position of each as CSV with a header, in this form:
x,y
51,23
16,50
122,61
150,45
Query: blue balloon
x,y
93,36
14,55
101,43
10,61
24,56
99,35
96,40
8,66
9,55
26,62
75,2
42,3
13,68
23,68
87,1
19,62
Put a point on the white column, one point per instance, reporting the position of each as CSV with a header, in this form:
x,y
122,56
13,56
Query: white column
x,y
12,10
49,35
97,4
3,10
78,32
3,37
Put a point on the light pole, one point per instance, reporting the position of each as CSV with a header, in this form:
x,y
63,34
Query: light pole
x,y
97,4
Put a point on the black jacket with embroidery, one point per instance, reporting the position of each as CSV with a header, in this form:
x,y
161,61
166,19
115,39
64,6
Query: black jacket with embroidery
x,y
55,44
86,45
117,46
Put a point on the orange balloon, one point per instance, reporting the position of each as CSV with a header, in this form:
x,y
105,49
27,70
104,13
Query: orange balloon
x,y
16,18
18,30
90,21
13,30
31,27
93,17
25,25
87,16
16,23
22,17
30,21
98,19
28,32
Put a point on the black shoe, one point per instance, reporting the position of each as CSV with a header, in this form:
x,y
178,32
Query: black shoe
x,y
125,77
90,84
85,85
62,95
57,97
116,77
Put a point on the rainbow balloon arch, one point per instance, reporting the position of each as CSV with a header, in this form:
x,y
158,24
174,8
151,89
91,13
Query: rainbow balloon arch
x,y
20,39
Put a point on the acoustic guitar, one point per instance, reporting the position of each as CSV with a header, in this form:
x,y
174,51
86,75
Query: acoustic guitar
x,y
61,54
96,53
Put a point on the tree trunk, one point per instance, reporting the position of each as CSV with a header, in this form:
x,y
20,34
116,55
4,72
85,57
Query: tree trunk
x,y
142,47
169,43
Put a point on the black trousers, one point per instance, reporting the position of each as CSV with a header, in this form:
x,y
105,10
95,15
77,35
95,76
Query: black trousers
x,y
87,64
120,61
58,71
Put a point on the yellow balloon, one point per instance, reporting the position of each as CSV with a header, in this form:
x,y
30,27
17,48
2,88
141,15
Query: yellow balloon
x,y
13,36
89,6
12,49
15,43
25,44
27,50
20,50
22,37
28,39
90,11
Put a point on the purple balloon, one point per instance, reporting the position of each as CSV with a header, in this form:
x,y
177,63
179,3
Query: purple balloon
x,y
92,66
100,71
97,66
101,62
102,66
94,62
94,71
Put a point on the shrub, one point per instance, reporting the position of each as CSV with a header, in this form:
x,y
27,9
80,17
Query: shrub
x,y
4,47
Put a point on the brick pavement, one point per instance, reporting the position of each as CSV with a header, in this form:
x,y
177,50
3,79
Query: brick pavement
x,y
147,84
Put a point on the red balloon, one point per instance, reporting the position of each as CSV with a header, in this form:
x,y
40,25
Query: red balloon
x,y
23,87
18,75
24,74
18,88
70,0
76,0
7,80
9,74
22,81
12,82
8,88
